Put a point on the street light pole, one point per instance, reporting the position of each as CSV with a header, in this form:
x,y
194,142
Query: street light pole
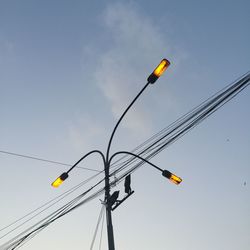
x,y
159,70
151,79
110,230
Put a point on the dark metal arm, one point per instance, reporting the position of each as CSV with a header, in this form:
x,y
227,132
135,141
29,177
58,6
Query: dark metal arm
x,y
89,153
124,113
136,156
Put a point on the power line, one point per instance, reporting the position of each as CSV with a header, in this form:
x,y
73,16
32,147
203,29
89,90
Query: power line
x,y
45,207
29,233
177,129
100,242
97,226
44,160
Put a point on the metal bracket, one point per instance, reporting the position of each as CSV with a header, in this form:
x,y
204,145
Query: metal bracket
x,y
119,202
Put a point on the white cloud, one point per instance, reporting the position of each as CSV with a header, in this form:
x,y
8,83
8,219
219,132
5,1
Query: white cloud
x,y
135,45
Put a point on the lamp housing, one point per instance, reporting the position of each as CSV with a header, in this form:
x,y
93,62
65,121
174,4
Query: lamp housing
x,y
159,70
172,177
60,180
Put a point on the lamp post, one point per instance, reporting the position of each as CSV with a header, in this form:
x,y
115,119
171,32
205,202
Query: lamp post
x,y
159,70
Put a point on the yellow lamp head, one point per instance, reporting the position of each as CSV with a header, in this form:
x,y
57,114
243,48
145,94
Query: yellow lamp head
x,y
60,180
174,178
159,70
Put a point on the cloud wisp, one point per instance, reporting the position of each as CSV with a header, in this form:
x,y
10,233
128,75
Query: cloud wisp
x,y
131,44
135,43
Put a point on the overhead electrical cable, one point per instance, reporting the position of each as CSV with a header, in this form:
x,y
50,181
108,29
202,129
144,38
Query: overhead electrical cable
x,y
26,235
97,226
44,160
44,207
195,116
42,224
100,242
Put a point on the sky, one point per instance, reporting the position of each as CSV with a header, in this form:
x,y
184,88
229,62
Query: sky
x,y
68,69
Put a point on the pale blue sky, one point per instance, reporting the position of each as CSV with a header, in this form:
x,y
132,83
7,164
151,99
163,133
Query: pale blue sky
x,y
69,68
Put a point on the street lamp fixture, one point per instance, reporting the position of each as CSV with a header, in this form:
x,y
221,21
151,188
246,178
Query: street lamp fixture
x,y
65,175
112,199
172,177
159,70
60,180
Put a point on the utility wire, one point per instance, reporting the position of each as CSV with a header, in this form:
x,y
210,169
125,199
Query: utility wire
x,y
100,242
44,160
42,224
97,226
47,205
208,106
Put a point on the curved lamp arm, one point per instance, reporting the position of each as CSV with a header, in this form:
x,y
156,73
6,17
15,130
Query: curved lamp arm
x,y
89,153
124,113
136,156
158,71
172,177
65,175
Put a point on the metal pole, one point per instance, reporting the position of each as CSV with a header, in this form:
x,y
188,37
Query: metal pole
x,y
111,242
110,232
